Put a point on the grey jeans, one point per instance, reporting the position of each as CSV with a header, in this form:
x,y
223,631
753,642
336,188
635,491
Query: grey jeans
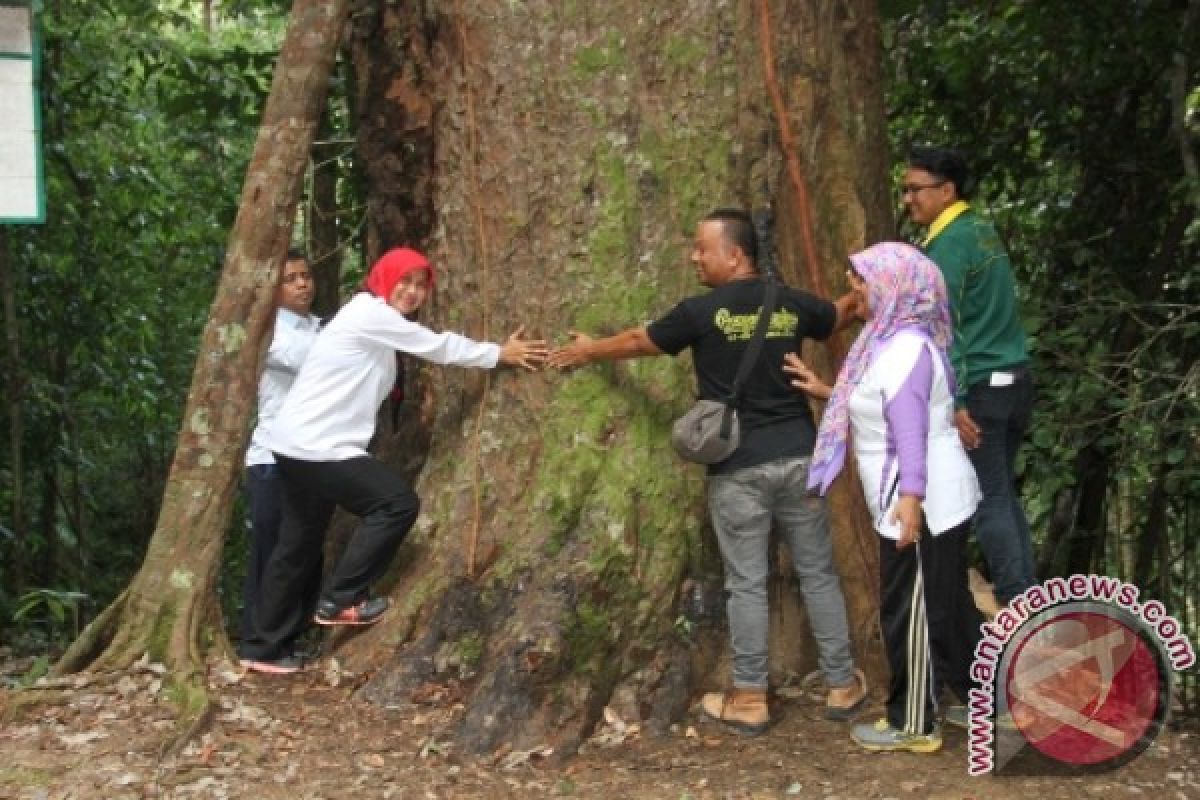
x,y
743,505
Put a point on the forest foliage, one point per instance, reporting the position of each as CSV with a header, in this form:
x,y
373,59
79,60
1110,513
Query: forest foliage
x,y
1085,145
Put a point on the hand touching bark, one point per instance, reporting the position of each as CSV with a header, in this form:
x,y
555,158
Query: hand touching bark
x,y
520,352
574,354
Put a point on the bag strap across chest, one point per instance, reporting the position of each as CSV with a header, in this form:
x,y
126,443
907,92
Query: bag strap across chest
x,y
754,348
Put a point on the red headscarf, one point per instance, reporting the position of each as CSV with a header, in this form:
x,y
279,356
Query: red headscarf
x,y
388,271
391,268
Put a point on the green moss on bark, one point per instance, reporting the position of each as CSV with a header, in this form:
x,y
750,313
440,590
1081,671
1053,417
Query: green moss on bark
x,y
158,642
188,694
601,58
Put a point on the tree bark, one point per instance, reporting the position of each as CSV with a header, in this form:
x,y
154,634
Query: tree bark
x,y
394,101
322,230
169,611
553,159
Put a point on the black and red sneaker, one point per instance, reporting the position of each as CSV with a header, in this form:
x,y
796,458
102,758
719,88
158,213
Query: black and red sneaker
x,y
368,612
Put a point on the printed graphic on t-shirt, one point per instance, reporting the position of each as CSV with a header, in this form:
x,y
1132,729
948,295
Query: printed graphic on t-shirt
x,y
775,419
740,327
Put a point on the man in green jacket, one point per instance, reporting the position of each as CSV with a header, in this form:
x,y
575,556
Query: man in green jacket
x,y
994,397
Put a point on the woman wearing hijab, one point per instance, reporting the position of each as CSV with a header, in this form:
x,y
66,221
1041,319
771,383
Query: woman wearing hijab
x,y
894,401
320,439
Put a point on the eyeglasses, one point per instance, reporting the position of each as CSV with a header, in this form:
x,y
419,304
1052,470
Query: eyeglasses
x,y
913,188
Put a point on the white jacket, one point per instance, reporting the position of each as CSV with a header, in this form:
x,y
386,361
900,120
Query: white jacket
x,y
329,415
904,438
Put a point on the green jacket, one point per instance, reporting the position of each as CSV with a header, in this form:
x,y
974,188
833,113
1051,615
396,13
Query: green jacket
x,y
983,301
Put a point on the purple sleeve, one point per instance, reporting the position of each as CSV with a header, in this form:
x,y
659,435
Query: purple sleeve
x,y
907,416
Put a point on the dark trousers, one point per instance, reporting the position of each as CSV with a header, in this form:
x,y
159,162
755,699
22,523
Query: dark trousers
x,y
264,508
930,624
1003,413
311,490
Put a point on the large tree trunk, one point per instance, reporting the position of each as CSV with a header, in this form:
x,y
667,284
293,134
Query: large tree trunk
x,y
169,612
324,247
554,158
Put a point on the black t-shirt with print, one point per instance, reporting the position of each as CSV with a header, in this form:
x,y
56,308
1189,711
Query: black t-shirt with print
x,y
775,418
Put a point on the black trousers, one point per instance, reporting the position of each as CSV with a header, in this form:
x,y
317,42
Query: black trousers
x,y
264,509
363,486
1003,413
930,624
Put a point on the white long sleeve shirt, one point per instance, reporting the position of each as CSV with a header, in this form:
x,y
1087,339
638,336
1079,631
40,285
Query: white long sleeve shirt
x,y
329,415
905,442
294,335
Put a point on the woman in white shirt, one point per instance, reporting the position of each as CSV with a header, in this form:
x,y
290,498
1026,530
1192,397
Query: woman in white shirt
x,y
894,401
319,439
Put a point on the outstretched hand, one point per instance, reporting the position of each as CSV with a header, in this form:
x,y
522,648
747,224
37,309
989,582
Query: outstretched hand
x,y
572,355
520,352
804,379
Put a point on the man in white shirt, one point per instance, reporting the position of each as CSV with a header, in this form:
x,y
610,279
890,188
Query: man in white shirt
x,y
295,330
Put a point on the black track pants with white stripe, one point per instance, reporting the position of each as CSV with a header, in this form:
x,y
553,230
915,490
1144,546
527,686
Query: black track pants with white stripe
x,y
930,624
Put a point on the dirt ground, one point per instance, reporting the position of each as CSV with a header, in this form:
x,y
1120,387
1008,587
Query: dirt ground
x,y
305,737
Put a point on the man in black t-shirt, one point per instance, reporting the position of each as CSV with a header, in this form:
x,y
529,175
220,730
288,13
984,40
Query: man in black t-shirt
x,y
765,478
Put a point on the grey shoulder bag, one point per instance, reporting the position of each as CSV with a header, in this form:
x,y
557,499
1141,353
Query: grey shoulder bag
x,y
709,432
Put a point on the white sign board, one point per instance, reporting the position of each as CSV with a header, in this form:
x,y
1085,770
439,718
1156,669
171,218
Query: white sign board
x,y
22,194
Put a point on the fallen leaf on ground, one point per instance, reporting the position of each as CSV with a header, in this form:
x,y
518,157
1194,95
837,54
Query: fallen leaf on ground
x,y
518,758
76,739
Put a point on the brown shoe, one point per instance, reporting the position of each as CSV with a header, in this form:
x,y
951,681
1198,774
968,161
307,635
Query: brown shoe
x,y
843,701
743,710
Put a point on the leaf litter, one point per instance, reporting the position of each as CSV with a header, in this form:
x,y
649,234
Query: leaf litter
x,y
308,736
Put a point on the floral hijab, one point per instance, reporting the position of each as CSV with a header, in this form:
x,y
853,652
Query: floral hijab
x,y
905,290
